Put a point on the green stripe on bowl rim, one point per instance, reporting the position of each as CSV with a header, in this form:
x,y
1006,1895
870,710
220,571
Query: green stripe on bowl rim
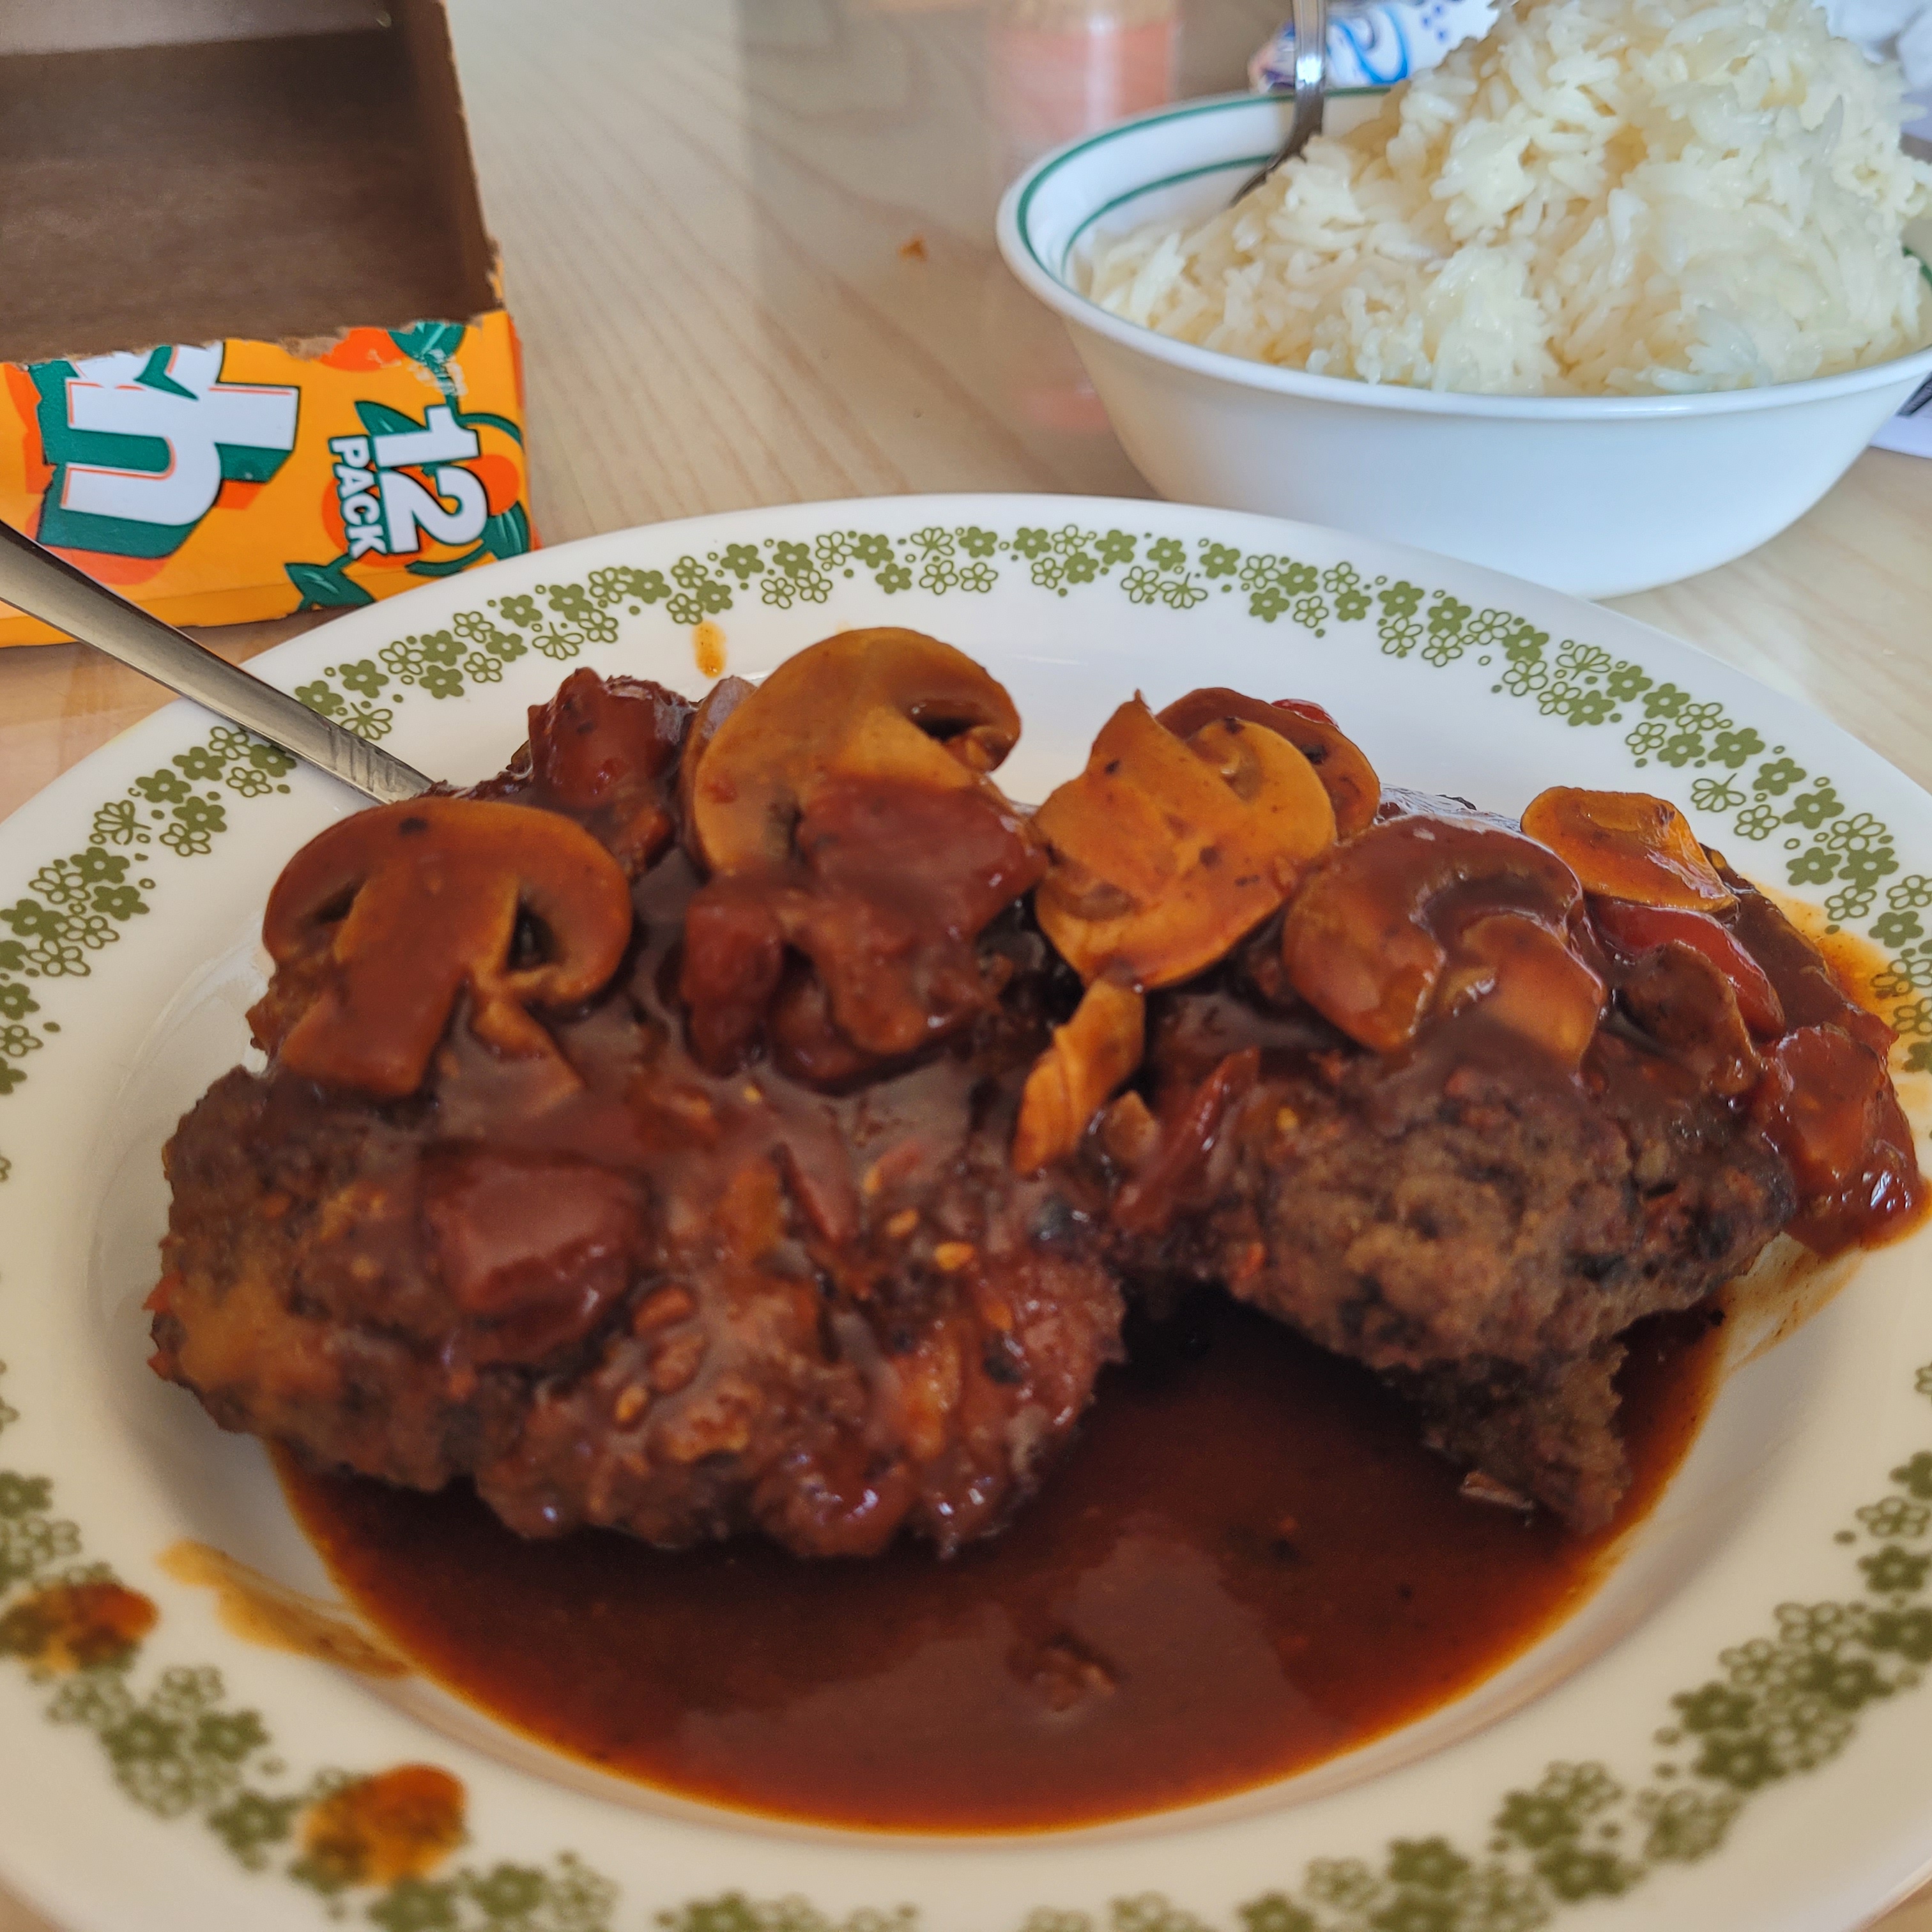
x,y
1235,162
1217,104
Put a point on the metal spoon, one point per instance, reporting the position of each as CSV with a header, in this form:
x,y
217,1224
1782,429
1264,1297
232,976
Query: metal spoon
x,y
35,581
1311,89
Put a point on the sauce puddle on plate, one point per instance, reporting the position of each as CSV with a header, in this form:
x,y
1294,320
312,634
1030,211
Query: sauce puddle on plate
x,y
1247,1564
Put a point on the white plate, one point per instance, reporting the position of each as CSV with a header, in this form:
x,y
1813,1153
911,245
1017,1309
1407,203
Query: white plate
x,y
1730,1735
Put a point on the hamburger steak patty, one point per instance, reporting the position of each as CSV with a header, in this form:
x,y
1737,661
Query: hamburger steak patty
x,y
636,1290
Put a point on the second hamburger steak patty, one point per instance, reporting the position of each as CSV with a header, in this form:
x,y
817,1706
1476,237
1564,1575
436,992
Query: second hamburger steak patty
x,y
1473,1228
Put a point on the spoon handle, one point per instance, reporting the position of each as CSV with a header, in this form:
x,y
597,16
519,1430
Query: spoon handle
x,y
1311,69
1311,90
37,581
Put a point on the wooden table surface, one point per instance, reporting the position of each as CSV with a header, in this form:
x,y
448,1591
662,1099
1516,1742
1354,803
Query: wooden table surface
x,y
750,251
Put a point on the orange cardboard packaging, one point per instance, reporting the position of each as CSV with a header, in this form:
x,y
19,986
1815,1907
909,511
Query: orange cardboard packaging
x,y
253,359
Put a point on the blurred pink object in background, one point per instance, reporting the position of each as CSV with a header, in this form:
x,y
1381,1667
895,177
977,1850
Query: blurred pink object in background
x,y
1058,68
1055,70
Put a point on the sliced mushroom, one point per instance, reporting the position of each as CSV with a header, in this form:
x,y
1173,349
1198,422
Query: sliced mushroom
x,y
1628,845
879,704
1689,1006
1346,776
1527,980
1166,851
1363,941
393,913
843,811
1095,1052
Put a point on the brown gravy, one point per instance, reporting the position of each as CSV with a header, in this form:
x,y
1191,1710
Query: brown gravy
x,y
1245,1565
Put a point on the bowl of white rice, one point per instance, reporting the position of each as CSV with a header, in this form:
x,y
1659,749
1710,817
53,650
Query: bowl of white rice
x,y
1610,297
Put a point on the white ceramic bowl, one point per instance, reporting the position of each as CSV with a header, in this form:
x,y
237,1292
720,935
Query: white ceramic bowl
x,y
1595,495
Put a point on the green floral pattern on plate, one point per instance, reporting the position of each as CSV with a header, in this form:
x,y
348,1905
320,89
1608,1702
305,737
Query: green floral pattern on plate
x,y
78,903
179,1748
1777,1704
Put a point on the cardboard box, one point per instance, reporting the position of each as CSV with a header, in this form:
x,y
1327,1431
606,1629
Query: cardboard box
x,y
279,194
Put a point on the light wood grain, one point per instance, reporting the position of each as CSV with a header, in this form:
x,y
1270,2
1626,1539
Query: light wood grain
x,y
705,213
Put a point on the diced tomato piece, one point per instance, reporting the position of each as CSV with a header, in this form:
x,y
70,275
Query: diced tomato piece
x,y
1865,1026
1303,707
1636,929
1816,1101
1826,1104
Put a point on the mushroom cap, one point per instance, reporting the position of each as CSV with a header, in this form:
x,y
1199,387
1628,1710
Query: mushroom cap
x,y
1350,781
1167,851
393,913
883,704
1364,941
1628,845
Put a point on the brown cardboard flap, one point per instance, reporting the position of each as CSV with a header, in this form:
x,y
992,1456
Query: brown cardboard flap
x,y
66,26
268,188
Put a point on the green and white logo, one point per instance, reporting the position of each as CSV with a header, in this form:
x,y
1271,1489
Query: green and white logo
x,y
141,444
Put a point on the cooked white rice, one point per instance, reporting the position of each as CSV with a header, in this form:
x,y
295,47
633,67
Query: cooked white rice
x,y
1601,196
